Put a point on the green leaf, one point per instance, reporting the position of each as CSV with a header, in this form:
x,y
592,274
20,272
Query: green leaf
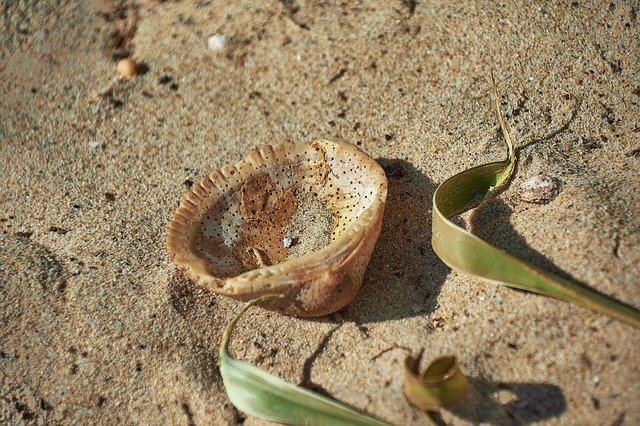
x,y
258,393
442,384
464,251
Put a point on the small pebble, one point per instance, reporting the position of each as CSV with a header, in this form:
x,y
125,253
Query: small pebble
x,y
393,168
95,144
58,230
165,79
287,242
217,41
539,189
127,67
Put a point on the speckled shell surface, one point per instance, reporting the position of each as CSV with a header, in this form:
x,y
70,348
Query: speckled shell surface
x,y
328,197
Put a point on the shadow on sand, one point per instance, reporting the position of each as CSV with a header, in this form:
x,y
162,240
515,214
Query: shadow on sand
x,y
404,275
491,222
522,403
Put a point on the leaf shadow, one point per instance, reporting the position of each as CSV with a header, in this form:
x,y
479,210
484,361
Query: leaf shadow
x,y
556,132
306,381
404,275
491,222
524,403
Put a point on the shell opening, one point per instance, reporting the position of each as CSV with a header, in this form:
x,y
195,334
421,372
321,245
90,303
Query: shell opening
x,y
250,215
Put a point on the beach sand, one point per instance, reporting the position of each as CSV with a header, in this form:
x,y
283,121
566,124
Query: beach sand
x,y
99,328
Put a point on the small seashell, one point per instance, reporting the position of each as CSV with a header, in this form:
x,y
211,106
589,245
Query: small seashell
x,y
93,144
127,67
230,232
539,189
217,41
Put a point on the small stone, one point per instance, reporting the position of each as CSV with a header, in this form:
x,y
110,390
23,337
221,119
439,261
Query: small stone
x,y
127,68
165,79
100,401
58,230
539,189
217,41
95,144
287,242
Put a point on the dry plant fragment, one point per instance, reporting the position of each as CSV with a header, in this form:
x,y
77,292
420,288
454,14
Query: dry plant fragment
x,y
122,17
294,219
441,384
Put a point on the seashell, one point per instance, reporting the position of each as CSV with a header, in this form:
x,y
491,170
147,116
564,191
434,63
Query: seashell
x,y
540,189
299,220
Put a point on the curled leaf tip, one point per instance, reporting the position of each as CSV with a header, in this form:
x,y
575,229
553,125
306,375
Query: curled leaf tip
x,y
465,252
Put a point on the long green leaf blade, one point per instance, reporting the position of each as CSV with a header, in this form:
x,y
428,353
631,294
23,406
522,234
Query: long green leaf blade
x,y
261,394
464,251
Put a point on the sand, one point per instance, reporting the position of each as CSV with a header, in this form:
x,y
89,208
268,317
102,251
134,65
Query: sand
x,y
98,328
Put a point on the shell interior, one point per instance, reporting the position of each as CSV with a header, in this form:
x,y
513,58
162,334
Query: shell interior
x,y
252,217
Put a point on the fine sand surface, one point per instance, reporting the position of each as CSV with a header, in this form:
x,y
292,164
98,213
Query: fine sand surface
x,y
98,328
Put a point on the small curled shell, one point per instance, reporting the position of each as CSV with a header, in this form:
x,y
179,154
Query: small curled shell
x,y
294,219
540,189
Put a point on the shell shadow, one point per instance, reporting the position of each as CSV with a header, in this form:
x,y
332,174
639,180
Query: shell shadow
x,y
43,268
523,403
404,275
200,347
187,298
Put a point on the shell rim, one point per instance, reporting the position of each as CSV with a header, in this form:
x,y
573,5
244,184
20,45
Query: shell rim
x,y
283,274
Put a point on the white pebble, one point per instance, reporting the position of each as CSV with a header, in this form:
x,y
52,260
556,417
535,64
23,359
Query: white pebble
x,y
287,242
95,144
217,41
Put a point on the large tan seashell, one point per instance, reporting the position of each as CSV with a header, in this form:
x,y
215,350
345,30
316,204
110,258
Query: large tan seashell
x,y
294,219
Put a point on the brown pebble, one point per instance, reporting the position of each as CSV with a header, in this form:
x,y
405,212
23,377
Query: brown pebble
x,y
127,67
58,230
